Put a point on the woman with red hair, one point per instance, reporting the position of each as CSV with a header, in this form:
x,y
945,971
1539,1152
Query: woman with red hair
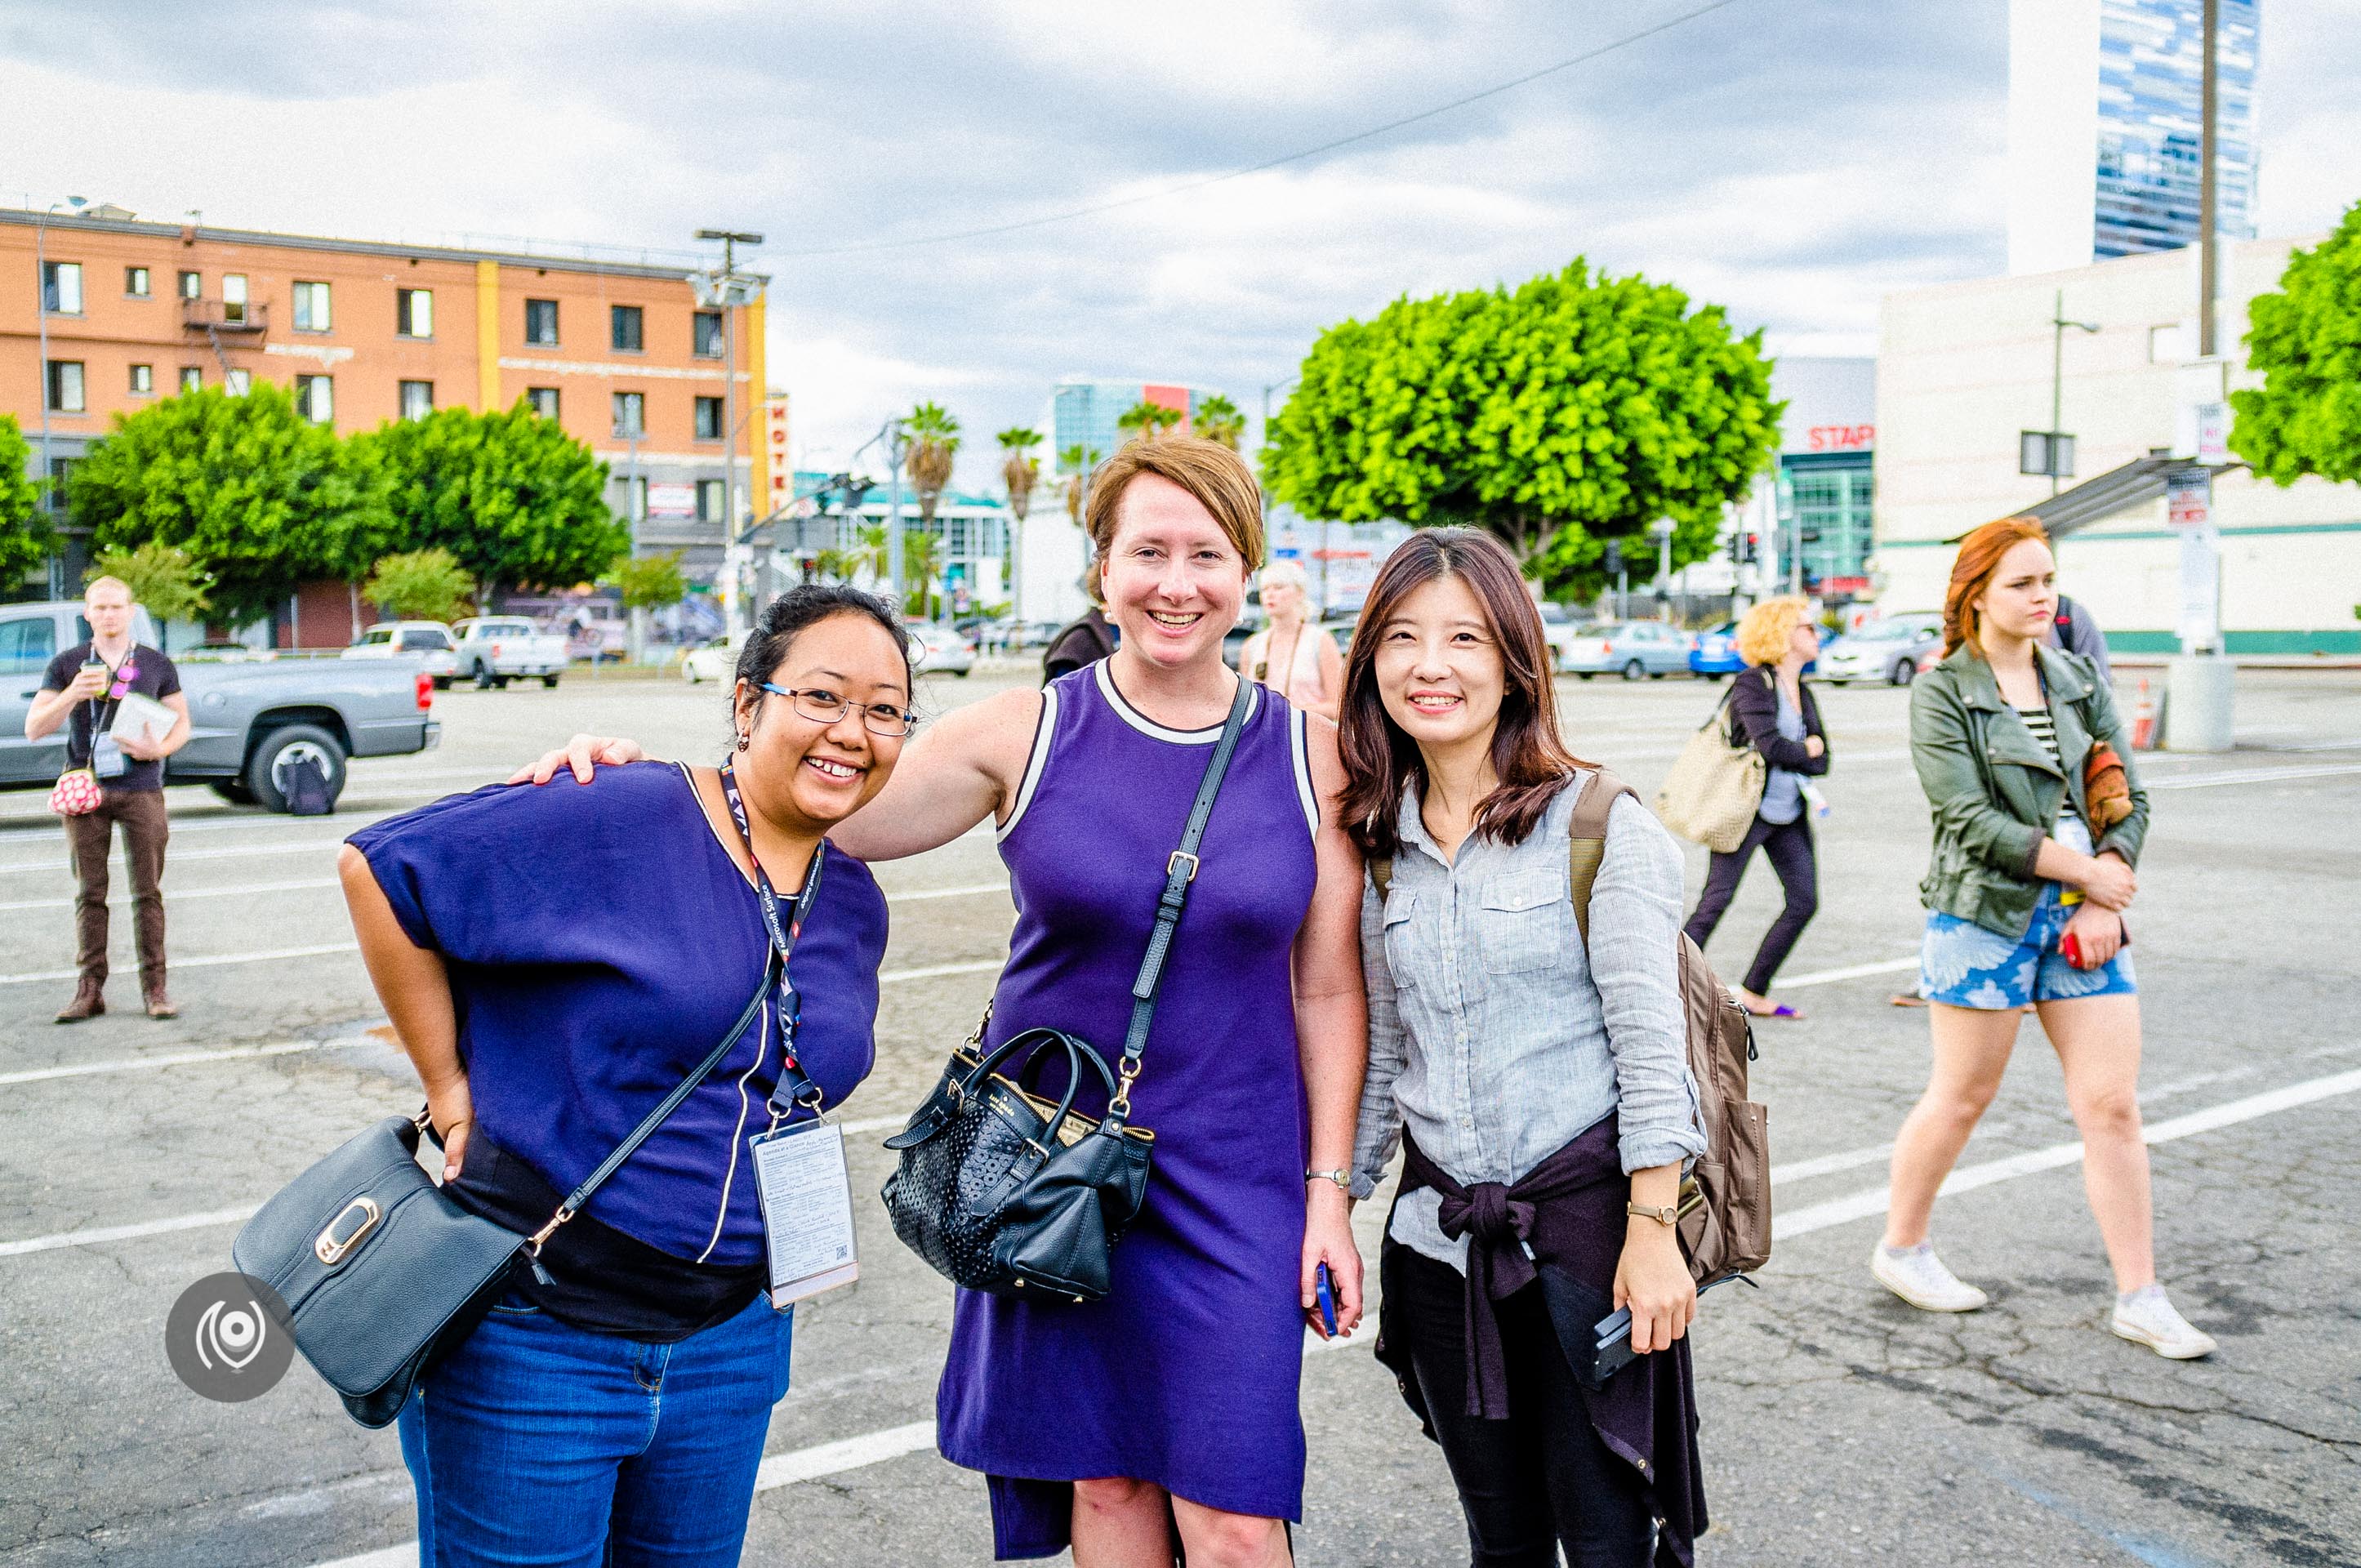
x,y
2038,823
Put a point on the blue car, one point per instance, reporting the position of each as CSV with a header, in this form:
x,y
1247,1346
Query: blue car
x,y
1716,654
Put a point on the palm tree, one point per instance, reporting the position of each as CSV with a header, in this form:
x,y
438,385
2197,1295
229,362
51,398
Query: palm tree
x,y
865,553
1076,462
1146,422
1020,472
920,551
934,439
1218,419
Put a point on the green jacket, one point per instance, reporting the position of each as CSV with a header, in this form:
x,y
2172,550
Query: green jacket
x,y
1994,792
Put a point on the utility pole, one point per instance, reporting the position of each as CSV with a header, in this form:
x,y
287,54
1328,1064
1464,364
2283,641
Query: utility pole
x,y
897,448
2058,325
729,295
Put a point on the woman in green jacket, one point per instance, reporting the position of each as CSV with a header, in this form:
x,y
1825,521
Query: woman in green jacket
x,y
2037,824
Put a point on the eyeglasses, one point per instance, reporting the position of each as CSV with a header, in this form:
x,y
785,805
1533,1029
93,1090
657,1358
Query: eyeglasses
x,y
823,707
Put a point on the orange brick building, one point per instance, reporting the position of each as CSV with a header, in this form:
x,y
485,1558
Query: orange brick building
x,y
364,332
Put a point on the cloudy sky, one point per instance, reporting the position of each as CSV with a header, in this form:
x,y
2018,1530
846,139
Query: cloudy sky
x,y
1793,160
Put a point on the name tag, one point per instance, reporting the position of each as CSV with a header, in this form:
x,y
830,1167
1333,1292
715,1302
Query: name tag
x,y
805,1190
107,758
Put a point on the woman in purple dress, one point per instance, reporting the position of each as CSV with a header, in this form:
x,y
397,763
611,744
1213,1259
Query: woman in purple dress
x,y
1169,1407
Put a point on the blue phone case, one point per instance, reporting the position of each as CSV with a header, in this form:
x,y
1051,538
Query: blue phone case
x,y
1326,1296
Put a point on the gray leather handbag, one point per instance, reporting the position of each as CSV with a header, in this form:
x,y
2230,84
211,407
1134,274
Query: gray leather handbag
x,y
383,1274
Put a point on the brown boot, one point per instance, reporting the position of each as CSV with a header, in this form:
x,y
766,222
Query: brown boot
x,y
88,1002
160,1005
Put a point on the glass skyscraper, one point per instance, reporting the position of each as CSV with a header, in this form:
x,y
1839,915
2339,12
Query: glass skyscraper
x,y
1083,412
2151,65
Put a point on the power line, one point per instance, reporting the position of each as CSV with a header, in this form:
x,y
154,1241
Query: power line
x,y
1070,214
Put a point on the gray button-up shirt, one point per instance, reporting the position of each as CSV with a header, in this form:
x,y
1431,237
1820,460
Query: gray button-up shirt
x,y
1494,1035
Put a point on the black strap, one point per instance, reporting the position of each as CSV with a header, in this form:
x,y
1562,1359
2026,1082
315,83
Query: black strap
x,y
670,1104
1179,871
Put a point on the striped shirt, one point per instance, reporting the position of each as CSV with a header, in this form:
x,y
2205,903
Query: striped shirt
x,y
2045,729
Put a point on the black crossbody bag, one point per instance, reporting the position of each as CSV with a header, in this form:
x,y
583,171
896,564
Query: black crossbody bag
x,y
1003,1190
383,1274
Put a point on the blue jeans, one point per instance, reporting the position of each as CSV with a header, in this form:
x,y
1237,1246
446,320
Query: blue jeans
x,y
539,1443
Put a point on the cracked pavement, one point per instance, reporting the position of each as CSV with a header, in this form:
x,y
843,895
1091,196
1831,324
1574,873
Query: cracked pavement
x,y
1840,1425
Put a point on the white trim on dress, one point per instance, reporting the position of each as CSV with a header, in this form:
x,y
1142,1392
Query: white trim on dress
x,y
1299,732
1043,729
1149,726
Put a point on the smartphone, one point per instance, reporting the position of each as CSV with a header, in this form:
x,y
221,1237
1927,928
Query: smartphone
x,y
2072,950
1326,1294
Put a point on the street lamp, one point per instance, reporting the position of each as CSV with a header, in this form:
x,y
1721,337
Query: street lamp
x,y
2060,444
728,292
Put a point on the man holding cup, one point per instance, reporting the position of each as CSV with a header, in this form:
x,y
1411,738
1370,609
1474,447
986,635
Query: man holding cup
x,y
86,688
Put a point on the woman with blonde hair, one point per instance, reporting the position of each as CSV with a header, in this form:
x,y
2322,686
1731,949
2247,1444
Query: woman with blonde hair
x,y
1776,711
2038,820
1295,655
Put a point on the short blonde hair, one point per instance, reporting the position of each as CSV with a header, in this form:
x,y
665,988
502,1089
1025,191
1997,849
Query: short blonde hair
x,y
95,584
1288,572
1763,633
1217,476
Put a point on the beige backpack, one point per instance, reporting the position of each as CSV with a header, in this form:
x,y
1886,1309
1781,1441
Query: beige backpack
x,y
1725,1225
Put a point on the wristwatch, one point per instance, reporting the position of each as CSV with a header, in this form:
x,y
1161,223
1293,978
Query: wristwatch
x,y
1667,1216
1340,1176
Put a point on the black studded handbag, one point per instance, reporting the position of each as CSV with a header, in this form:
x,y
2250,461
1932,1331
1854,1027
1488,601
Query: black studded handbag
x,y
1002,1189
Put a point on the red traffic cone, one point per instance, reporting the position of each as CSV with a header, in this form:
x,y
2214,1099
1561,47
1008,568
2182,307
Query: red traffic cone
x,y
2144,721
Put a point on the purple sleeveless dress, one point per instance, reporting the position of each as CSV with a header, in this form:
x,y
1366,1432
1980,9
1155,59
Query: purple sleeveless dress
x,y
1186,1374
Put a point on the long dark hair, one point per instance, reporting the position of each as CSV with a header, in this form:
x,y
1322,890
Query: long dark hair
x,y
1381,761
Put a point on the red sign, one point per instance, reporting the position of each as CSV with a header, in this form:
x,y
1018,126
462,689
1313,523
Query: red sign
x,y
1843,437
1844,585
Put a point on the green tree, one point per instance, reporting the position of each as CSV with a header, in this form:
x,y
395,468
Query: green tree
x,y
26,538
1218,419
515,499
2306,340
921,563
1558,414
161,577
419,585
1076,462
650,582
1146,422
1020,471
934,436
261,498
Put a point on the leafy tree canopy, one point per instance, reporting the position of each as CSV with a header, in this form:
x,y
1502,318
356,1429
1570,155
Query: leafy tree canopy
x,y
25,537
2306,340
517,501
1565,412
419,585
261,498
1146,421
1218,419
650,582
161,577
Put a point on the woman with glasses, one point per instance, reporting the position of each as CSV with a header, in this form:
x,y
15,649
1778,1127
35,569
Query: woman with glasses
x,y
611,1409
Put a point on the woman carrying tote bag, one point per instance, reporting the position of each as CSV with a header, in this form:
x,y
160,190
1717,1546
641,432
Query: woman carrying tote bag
x,y
1169,1405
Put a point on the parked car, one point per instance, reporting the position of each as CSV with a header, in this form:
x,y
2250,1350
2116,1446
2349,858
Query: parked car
x,y
251,716
428,641
938,648
1559,629
1886,649
494,650
714,661
1716,654
1632,648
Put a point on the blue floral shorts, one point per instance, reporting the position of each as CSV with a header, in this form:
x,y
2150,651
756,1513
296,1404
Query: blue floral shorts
x,y
1964,965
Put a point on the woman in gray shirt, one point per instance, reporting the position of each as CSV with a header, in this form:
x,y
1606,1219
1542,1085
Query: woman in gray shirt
x,y
1542,1087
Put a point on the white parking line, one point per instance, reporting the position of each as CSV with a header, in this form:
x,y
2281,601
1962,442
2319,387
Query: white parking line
x,y
227,852
178,1059
1850,972
2253,775
239,890
127,1232
893,1442
210,961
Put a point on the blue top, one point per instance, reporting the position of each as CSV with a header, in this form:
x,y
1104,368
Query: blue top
x,y
1783,791
599,941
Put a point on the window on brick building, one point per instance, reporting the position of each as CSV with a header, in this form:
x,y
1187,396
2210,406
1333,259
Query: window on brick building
x,y
413,312
624,335
66,393
711,502
312,307
316,399
541,323
135,282
191,378
238,383
143,380
709,419
417,399
631,413
704,336
543,401
61,288
193,285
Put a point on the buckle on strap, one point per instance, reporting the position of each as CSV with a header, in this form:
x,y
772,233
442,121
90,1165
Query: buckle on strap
x,y
1178,856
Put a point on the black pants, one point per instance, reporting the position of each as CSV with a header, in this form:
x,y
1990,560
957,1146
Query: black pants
x,y
1540,1479
1789,845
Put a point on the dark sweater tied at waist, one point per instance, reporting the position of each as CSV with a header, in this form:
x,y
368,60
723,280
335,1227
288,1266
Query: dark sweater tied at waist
x,y
1565,1217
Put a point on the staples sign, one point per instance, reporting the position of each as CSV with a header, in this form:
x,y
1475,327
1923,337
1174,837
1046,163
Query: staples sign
x,y
1843,438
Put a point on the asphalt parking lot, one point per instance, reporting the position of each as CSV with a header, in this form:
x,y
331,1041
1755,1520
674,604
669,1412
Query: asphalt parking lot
x,y
1838,1425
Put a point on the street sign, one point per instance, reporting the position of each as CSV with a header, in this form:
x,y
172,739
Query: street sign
x,y
671,500
2202,434
2189,499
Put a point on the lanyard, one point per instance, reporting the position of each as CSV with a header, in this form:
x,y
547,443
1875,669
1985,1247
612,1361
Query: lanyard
x,y
794,1086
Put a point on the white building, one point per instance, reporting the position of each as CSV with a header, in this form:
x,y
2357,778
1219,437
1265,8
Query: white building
x,y
1963,368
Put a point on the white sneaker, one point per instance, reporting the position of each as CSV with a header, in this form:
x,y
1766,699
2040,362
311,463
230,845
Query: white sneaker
x,y
2146,1317
1918,1276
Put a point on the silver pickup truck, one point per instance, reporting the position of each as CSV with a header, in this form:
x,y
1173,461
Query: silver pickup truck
x,y
250,716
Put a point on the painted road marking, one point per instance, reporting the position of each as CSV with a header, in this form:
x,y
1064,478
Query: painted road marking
x,y
213,962
1850,972
305,884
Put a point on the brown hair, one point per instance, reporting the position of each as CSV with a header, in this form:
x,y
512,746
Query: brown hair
x,y
1216,476
1972,574
1381,761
